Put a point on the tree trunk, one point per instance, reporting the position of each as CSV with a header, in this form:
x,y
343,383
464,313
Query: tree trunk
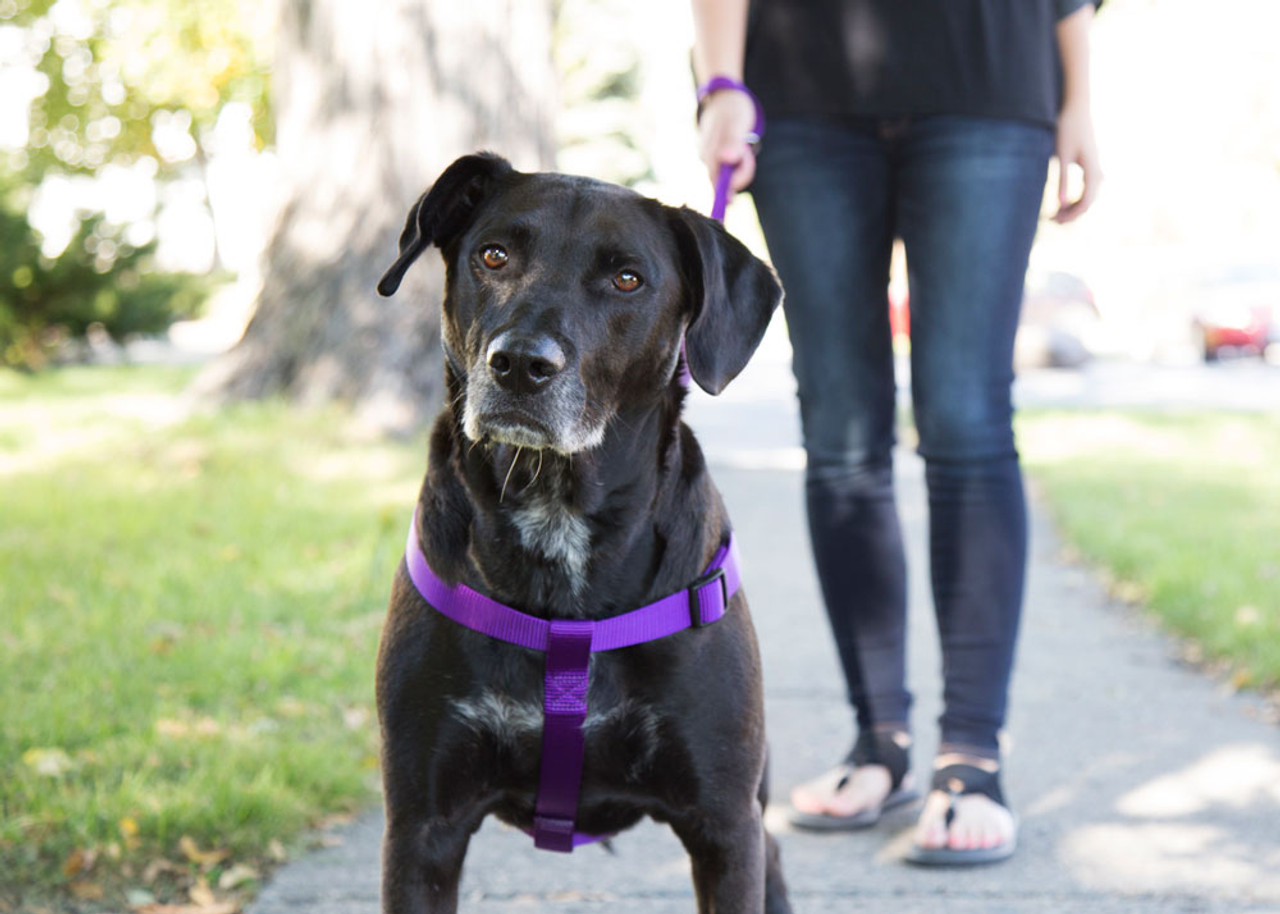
x,y
372,101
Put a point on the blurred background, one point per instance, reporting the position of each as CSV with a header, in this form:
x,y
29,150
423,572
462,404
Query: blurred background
x,y
138,137
196,201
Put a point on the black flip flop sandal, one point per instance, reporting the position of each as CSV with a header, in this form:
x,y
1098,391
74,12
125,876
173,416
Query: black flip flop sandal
x,y
873,748
957,781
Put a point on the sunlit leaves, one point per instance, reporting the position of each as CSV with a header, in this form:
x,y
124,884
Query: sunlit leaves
x,y
115,81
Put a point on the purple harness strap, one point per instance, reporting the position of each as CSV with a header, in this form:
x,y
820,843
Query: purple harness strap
x,y
568,645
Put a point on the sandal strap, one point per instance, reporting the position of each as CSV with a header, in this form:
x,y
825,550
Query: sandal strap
x,y
878,747
961,780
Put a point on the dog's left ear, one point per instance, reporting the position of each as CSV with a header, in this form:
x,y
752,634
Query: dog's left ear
x,y
733,293
443,211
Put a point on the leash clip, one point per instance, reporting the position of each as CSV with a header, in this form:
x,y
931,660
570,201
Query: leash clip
x,y
716,575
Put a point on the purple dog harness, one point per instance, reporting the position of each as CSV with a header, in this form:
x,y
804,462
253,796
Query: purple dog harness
x,y
568,645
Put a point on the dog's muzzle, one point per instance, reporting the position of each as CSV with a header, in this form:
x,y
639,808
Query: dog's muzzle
x,y
523,392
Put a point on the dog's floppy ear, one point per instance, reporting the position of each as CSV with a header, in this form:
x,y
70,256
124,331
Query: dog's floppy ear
x,y
733,294
442,212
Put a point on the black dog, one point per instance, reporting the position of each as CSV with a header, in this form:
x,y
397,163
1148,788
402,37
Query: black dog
x,y
562,482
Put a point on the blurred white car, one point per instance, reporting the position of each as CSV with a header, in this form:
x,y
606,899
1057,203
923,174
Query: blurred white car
x,y
1060,322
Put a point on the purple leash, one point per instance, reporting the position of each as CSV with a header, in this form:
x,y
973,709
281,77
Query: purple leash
x,y
568,645
721,201
724,177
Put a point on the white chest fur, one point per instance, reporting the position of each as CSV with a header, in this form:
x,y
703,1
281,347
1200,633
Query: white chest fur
x,y
550,528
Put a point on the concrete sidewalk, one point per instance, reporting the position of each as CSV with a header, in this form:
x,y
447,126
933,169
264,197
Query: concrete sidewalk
x,y
1141,785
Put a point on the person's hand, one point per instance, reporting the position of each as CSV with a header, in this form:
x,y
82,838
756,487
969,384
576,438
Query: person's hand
x,y
1076,146
727,119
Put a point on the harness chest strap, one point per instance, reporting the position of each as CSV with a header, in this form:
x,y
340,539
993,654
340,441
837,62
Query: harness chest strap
x,y
568,645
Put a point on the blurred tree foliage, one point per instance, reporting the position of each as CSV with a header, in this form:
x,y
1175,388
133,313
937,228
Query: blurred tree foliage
x,y
99,279
115,83
600,130
125,79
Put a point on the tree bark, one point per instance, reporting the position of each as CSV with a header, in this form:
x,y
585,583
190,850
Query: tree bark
x,y
372,101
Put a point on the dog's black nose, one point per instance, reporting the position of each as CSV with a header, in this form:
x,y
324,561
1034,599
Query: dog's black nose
x,y
523,364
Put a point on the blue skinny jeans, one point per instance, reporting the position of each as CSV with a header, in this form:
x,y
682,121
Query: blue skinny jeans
x,y
964,196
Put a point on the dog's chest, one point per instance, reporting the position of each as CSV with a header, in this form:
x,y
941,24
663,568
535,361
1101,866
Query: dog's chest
x,y
549,528
622,735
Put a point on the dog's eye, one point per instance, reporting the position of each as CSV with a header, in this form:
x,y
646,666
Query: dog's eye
x,y
627,281
493,257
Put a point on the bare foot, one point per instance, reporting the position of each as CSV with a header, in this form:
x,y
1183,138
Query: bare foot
x,y
978,822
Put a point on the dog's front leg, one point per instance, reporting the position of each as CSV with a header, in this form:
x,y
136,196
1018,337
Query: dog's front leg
x,y
728,860
421,867
775,886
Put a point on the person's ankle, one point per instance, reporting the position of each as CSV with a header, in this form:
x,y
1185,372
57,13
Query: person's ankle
x,y
953,754
900,734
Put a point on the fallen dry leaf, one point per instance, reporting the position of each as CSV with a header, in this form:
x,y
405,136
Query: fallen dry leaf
x,y
1248,615
79,861
291,707
168,727
192,852
336,820
129,831
201,894
356,718
158,866
86,891
53,763
237,876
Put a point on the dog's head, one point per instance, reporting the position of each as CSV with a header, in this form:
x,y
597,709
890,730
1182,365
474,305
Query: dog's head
x,y
566,299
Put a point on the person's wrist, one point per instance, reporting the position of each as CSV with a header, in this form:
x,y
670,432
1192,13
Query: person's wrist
x,y
1075,95
722,83
1075,110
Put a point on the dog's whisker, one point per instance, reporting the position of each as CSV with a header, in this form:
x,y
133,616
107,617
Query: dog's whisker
x,y
510,470
538,470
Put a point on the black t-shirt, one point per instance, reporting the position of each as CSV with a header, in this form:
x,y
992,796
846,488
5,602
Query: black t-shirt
x,y
894,58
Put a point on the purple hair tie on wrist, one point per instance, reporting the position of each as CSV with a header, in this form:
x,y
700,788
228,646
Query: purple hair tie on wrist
x,y
716,83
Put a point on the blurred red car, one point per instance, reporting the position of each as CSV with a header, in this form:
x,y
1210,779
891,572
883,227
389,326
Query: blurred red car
x,y
1236,313
899,314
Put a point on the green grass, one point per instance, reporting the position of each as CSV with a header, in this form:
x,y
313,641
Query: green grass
x,y
189,607
189,613
82,382
1182,512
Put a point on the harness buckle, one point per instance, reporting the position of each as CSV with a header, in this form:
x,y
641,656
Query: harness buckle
x,y
716,575
551,833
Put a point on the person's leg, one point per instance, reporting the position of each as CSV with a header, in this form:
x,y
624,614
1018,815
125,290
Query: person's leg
x,y
823,193
969,205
